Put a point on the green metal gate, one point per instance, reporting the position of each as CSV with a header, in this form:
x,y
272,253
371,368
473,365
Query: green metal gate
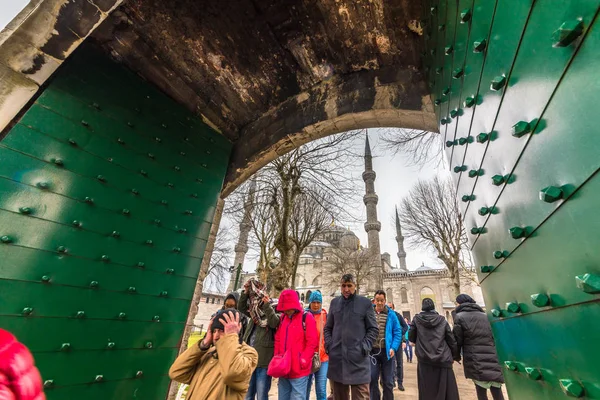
x,y
107,193
516,88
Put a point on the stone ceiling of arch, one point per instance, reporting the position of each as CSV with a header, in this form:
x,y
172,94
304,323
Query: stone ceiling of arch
x,y
236,61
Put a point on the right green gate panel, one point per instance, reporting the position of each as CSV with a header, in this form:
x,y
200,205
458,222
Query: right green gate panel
x,y
516,88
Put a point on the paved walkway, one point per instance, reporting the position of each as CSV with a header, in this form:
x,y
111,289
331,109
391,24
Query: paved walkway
x,y
465,386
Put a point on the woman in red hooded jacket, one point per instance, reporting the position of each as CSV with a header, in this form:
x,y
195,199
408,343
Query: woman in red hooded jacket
x,y
297,336
19,378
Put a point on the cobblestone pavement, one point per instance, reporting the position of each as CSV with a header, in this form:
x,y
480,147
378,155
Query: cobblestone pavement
x,y
465,386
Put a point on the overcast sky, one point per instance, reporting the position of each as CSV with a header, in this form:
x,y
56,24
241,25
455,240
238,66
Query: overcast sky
x,y
394,180
9,9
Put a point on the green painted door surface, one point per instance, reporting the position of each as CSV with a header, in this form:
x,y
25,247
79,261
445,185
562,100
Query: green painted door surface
x,y
516,93
107,192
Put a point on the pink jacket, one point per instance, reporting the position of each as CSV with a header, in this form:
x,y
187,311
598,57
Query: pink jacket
x,y
19,378
290,335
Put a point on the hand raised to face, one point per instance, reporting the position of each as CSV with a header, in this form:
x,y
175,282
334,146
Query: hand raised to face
x,y
231,322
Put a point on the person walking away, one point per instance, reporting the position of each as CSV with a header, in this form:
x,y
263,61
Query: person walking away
x,y
315,302
384,349
474,337
398,359
408,350
350,331
19,378
219,366
435,348
255,304
296,341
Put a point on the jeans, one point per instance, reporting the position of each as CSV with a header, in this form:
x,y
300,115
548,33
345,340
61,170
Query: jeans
x,y
408,350
320,382
260,384
381,366
293,389
399,371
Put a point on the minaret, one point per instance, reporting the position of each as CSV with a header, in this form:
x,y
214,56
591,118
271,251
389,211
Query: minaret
x,y
372,226
400,239
241,248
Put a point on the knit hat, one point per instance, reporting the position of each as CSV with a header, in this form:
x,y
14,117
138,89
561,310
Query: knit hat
x,y
428,304
315,296
464,298
216,324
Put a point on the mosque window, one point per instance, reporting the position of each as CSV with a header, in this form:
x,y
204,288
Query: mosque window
x,y
303,282
404,295
315,281
308,295
302,297
213,301
427,293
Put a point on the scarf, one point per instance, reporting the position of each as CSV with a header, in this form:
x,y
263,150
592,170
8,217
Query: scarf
x,y
256,292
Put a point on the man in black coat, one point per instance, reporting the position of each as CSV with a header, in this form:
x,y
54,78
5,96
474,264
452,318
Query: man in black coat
x,y
436,349
474,336
349,334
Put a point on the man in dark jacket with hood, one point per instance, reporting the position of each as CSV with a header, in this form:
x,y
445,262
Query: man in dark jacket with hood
x,y
474,336
349,334
436,349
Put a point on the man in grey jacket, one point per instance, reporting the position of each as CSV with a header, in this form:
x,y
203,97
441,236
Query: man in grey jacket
x,y
349,334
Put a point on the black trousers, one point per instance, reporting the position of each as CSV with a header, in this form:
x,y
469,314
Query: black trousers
x,y
482,393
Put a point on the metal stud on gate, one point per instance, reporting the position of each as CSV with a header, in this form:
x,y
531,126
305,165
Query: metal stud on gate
x,y
571,387
551,194
540,299
567,33
589,283
479,46
513,307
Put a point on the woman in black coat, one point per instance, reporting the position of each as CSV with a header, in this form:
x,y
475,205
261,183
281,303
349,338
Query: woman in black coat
x,y
436,350
474,336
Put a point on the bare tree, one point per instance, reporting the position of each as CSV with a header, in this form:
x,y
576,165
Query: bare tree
x,y
297,197
358,262
420,147
431,218
219,269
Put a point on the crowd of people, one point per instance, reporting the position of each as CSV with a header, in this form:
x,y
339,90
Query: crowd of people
x,y
357,346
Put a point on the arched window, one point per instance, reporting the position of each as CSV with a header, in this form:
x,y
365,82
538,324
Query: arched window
x,y
315,281
427,292
308,295
302,297
389,295
404,295
303,282
212,301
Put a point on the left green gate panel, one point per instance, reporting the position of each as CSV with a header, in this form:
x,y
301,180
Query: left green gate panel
x,y
107,193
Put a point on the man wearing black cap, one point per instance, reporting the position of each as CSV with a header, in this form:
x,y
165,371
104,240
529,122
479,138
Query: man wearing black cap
x,y
218,367
436,349
349,333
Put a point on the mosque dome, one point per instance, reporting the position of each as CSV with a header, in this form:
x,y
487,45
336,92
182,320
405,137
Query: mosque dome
x,y
349,241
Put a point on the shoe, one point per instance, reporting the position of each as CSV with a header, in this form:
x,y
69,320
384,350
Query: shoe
x,y
401,388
